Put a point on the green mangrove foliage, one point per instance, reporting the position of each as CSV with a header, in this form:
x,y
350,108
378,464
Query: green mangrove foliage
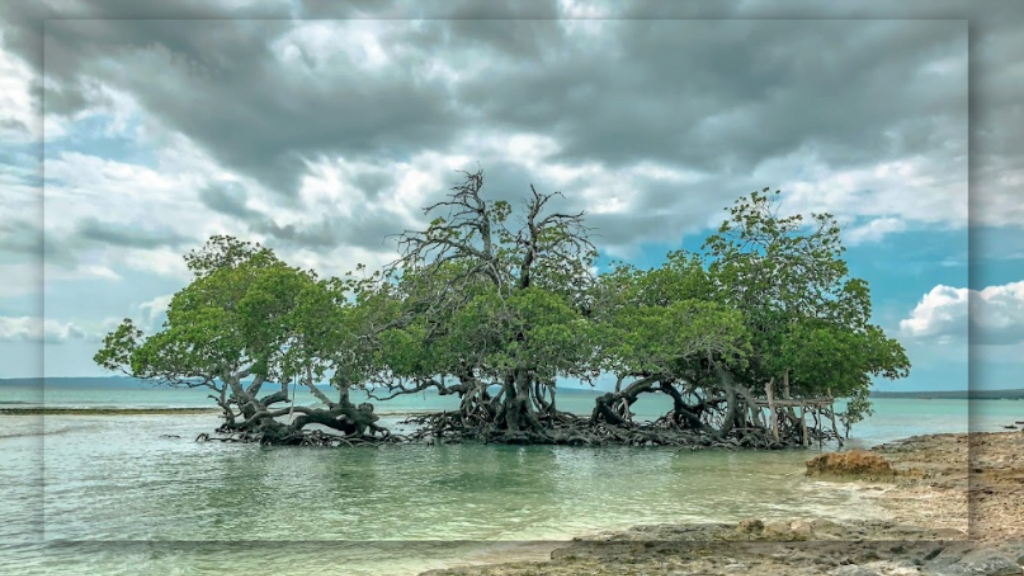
x,y
753,337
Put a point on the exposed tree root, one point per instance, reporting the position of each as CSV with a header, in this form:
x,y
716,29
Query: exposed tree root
x,y
302,438
563,429
694,423
567,429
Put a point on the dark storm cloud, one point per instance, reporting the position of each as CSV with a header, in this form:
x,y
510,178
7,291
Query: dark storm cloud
x,y
372,231
319,235
128,236
720,97
227,198
996,48
507,181
373,184
265,121
13,124
24,24
727,94
327,9
366,228
498,27
216,81
635,98
19,235
22,240
620,230
665,212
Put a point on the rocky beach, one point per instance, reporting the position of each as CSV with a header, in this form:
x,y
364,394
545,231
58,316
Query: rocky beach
x,y
953,503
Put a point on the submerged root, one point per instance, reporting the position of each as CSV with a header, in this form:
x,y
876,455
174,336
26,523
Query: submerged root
x,y
568,429
558,428
300,438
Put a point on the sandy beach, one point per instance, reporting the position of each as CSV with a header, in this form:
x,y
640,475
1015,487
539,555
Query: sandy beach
x,y
955,505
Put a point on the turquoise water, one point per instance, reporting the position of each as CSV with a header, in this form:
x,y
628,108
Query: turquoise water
x,y
894,418
104,495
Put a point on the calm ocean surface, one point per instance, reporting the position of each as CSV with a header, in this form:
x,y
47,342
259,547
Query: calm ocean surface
x,y
99,495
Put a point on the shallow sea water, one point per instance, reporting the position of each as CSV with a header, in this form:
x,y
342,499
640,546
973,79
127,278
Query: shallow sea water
x,y
99,495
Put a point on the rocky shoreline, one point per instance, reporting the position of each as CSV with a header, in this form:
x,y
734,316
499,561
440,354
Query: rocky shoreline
x,y
956,507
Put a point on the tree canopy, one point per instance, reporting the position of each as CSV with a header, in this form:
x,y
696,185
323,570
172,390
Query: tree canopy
x,y
494,305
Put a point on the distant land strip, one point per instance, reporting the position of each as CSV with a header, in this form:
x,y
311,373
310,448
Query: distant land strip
x,y
121,382
1015,394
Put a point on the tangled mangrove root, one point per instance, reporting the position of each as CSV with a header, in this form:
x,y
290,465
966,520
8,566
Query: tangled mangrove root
x,y
567,429
555,428
303,438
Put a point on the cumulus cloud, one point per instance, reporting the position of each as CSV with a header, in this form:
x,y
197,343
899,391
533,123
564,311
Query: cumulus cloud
x,y
129,235
874,230
227,198
991,316
18,120
155,311
34,329
998,314
941,315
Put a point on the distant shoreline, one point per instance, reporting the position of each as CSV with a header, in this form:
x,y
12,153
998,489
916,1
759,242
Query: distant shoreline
x,y
121,382
1013,394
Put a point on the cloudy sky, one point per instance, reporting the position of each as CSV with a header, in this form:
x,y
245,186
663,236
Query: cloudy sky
x,y
130,133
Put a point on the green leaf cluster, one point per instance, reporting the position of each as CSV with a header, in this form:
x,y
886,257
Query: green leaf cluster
x,y
769,298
